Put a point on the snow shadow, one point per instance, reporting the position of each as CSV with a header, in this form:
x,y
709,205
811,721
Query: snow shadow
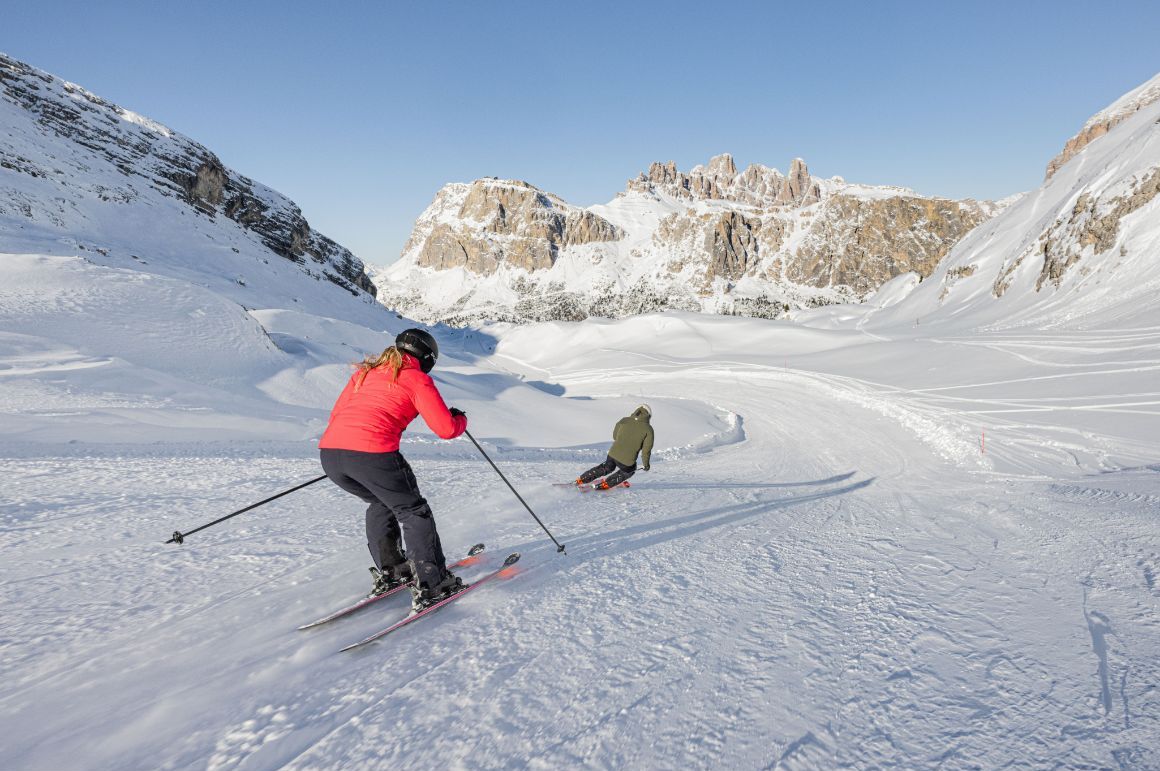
x,y
739,485
644,535
548,388
464,343
484,386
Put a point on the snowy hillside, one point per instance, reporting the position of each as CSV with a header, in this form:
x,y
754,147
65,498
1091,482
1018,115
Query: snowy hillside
x,y
1081,252
79,175
922,532
846,576
754,243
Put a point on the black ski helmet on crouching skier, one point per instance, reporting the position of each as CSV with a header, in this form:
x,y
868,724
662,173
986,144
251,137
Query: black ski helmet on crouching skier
x,y
419,344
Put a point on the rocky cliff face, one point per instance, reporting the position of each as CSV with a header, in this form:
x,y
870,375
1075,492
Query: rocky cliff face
x,y
495,222
715,239
68,154
862,244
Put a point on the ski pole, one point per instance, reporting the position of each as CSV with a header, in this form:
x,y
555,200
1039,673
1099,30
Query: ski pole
x,y
559,546
179,537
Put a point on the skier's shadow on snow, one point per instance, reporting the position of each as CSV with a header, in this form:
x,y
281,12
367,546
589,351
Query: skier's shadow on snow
x,y
740,485
698,522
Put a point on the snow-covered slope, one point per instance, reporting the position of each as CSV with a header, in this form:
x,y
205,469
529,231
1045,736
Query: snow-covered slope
x,y
752,242
79,175
1081,252
849,578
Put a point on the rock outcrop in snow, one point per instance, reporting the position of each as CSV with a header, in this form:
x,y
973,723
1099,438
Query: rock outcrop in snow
x,y
753,242
75,167
492,222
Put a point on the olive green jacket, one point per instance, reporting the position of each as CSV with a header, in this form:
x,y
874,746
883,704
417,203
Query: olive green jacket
x,y
632,435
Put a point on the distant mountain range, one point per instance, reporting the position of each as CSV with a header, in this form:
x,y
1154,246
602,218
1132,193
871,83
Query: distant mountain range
x,y
82,176
754,242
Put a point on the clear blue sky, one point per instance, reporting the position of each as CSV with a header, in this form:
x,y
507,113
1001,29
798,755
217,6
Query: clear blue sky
x,y
361,111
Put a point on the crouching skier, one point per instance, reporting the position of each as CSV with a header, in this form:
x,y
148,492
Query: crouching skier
x,y
360,454
630,436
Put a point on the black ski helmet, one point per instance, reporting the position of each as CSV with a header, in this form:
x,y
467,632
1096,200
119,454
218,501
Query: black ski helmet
x,y
419,344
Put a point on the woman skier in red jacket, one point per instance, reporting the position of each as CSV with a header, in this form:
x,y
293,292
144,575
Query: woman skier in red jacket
x,y
360,454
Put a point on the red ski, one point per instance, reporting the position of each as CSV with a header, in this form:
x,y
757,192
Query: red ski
x,y
507,563
588,487
471,558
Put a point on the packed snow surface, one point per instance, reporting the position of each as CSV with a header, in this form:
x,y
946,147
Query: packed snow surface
x,y
855,548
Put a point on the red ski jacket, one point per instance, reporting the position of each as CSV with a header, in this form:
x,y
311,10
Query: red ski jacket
x,y
373,418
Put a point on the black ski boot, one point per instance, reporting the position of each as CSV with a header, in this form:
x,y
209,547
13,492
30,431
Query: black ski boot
x,y
391,578
425,595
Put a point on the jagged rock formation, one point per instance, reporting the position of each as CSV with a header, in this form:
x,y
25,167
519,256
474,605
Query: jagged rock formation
x,y
713,239
1105,120
92,154
732,244
757,186
506,222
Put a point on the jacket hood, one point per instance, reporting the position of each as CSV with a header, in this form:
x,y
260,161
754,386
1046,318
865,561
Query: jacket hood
x,y
642,413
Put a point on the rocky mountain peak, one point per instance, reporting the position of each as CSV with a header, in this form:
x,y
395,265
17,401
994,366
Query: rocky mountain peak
x,y
722,165
758,185
491,222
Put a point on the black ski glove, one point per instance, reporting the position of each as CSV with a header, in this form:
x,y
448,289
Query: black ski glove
x,y
646,467
456,411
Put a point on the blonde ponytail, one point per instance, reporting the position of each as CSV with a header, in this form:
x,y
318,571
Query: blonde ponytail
x,y
391,358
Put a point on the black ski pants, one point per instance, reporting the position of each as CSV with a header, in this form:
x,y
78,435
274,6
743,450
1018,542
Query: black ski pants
x,y
385,481
622,472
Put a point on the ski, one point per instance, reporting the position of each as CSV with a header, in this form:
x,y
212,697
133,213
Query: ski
x,y
590,489
511,560
587,488
471,558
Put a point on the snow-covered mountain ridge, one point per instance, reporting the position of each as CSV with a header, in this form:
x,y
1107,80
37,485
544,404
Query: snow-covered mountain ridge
x,y
78,173
1105,120
754,242
1082,251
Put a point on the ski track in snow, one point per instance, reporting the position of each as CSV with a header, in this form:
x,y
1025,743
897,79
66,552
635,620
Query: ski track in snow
x,y
850,586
